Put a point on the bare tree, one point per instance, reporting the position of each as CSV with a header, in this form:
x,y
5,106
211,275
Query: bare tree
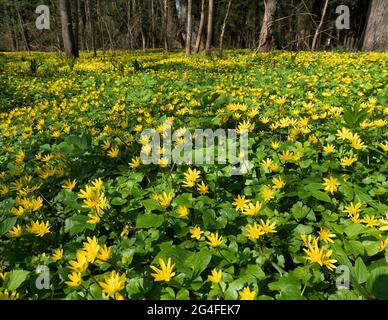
x,y
224,26
67,29
189,27
376,32
266,28
318,30
201,27
209,27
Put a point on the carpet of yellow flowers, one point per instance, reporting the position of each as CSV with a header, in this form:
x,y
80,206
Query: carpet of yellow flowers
x,y
82,218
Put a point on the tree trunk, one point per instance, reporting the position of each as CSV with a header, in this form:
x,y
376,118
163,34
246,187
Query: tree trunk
x,y
165,22
376,32
67,29
266,28
201,27
209,27
189,27
224,26
76,25
318,30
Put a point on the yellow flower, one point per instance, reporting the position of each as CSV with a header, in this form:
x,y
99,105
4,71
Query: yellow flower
x,y
70,185
196,232
348,161
93,197
286,156
329,148
275,145
318,255
166,271
383,244
46,158
254,231
252,209
244,127
331,184
247,294
384,223
267,163
113,153
216,276
163,162
203,188
20,157
125,231
344,134
267,226
191,176
91,248
94,218
75,279
165,199
240,202
357,143
113,283
81,263
183,211
214,240
5,295
370,221
103,254
325,235
278,183
106,145
17,211
15,232
135,163
267,193
39,229
384,145
57,254
353,209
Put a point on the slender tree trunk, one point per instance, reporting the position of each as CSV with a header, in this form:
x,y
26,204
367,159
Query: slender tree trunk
x,y
376,31
224,26
165,22
201,27
76,25
189,27
67,29
209,27
266,28
318,30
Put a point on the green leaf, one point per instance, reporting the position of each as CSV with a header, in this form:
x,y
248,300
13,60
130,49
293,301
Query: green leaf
x,y
15,279
322,196
289,287
361,271
117,201
354,230
198,262
255,271
354,248
183,294
6,225
149,220
151,205
299,210
377,283
77,224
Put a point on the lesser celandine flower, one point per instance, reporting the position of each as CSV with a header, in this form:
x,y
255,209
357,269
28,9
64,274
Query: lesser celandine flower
x,y
216,276
166,271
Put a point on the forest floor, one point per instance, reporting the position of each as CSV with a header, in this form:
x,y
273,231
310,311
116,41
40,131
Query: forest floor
x,y
308,208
